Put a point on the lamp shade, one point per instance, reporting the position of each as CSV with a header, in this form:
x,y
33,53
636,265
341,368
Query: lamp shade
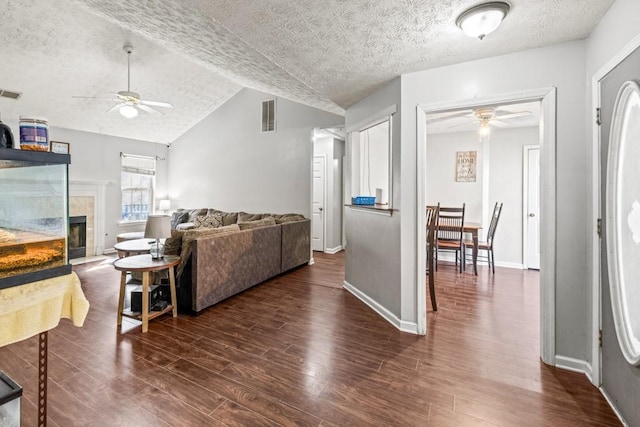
x,y
164,205
158,227
482,19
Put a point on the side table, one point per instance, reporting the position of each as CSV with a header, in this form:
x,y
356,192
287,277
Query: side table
x,y
134,247
146,265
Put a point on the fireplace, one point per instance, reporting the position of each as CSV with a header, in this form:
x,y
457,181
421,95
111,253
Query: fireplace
x,y
77,237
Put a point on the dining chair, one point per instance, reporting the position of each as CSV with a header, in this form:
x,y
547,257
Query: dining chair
x,y
450,233
488,244
432,221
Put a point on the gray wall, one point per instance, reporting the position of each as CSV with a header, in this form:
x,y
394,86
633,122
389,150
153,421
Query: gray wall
x,y
226,162
373,261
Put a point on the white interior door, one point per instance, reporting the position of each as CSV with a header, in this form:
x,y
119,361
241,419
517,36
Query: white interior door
x,y
532,207
317,215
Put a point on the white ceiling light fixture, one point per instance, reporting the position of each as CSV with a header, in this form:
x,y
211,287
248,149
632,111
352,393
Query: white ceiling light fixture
x,y
128,111
482,19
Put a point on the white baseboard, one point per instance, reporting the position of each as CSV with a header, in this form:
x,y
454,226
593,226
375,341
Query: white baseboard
x,y
312,261
613,407
571,364
509,265
402,325
450,257
332,251
109,251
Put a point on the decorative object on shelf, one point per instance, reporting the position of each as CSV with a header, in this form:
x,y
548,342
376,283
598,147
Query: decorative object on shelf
x,y
158,227
6,137
363,200
482,19
164,205
466,166
59,147
129,103
34,133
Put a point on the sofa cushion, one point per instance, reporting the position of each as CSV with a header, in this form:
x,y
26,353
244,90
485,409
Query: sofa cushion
x,y
229,218
186,226
190,235
289,217
193,213
178,218
173,244
246,217
211,220
265,222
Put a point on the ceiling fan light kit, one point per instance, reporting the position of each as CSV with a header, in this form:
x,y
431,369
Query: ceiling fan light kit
x,y
482,19
128,111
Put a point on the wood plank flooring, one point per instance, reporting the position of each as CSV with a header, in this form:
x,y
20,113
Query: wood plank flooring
x,y
289,352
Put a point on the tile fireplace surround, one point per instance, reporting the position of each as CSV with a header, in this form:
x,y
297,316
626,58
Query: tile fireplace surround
x,y
88,198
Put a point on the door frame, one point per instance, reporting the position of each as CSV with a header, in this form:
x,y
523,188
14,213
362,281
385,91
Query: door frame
x,y
547,96
525,198
596,289
324,200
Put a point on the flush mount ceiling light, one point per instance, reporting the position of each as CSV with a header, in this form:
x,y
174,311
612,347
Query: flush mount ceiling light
x,y
128,111
482,19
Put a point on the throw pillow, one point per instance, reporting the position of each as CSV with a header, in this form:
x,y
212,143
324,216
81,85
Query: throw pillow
x,y
265,222
178,218
186,226
229,218
191,235
173,244
246,217
209,221
290,217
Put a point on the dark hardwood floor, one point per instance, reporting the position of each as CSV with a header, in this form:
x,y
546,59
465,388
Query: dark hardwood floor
x,y
289,352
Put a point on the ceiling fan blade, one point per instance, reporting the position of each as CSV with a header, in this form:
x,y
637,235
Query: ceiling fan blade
x,y
149,109
513,115
449,117
498,123
156,104
115,107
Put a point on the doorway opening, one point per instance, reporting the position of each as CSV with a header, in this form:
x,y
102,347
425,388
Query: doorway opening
x,y
546,98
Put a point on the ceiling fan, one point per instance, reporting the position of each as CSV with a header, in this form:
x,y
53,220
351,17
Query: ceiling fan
x,y
128,102
484,116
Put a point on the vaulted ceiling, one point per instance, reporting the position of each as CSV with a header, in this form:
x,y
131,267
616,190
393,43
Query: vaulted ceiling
x,y
196,54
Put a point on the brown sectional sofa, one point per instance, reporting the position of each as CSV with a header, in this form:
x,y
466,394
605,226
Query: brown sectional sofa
x,y
243,251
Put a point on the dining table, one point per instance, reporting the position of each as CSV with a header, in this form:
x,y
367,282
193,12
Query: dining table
x,y
472,228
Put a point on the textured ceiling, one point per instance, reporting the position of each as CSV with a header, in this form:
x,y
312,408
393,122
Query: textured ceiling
x,y
197,53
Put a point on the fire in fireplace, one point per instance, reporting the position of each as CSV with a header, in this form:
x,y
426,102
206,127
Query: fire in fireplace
x,y
77,237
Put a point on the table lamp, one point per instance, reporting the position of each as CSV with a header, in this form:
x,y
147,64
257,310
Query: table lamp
x,y
158,227
164,205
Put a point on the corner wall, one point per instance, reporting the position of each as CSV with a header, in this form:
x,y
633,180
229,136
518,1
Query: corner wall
x,y
226,162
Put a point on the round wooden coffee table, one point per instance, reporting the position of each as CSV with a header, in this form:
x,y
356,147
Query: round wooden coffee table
x,y
146,265
134,247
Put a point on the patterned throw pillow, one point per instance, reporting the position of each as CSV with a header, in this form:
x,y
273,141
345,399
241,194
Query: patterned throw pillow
x,y
209,221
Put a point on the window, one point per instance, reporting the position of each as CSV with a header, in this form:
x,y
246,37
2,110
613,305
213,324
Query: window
x,y
137,184
269,115
371,161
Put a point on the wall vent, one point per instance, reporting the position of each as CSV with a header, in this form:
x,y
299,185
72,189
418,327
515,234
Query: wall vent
x,y
10,94
269,115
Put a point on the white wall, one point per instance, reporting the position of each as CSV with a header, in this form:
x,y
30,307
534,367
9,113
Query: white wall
x,y
504,184
560,66
226,162
332,150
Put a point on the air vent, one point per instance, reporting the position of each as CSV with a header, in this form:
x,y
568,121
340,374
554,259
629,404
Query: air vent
x,y
269,115
10,94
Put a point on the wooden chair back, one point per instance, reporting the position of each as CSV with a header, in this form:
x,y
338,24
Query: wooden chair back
x,y
451,224
433,213
497,210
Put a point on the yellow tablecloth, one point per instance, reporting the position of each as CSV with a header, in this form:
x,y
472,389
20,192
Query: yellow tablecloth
x,y
30,309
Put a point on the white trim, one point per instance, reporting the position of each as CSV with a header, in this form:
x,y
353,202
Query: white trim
x,y
571,364
613,407
547,206
324,199
421,204
401,325
525,200
596,313
503,264
332,251
371,120
97,190
312,261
